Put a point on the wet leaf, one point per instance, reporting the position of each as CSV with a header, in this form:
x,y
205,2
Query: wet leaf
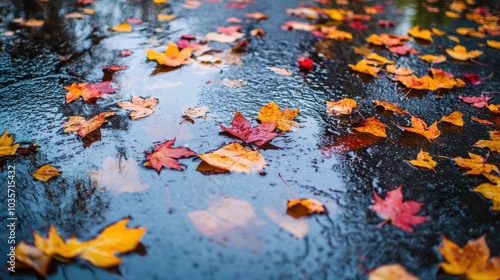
x,y
425,160
165,17
302,207
445,79
473,260
379,60
490,191
390,107
89,92
119,175
341,107
297,25
437,32
401,71
460,53
363,50
403,50
297,227
493,44
280,71
420,127
242,129
122,27
82,126
223,37
160,1
305,63
451,14
386,23
164,155
476,163
234,157
139,106
256,15
454,39
196,112
455,118
283,118
172,57
391,272
493,144
363,67
46,173
257,32
388,40
481,121
414,82
400,214
423,34
334,33
372,126
433,58
74,15
237,83
476,101
33,257
7,146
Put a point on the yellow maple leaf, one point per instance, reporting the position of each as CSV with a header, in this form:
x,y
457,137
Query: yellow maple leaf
x,y
493,44
172,57
380,60
372,126
424,34
425,160
339,35
298,208
420,127
283,118
140,107
445,79
476,163
390,107
460,53
412,81
451,14
7,146
455,118
391,272
46,173
401,71
165,17
335,14
122,27
490,191
363,67
493,144
234,157
82,126
433,58
473,260
341,107
437,32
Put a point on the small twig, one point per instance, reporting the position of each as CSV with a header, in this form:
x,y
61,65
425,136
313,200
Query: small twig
x,y
289,188
383,223
477,62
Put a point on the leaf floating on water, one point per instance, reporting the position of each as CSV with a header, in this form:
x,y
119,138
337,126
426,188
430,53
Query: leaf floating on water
x,y
391,272
234,157
46,173
298,208
283,118
242,129
140,107
122,27
164,155
82,126
7,146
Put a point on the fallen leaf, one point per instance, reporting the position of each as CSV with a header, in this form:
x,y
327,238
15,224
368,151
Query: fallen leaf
x,y
414,82
490,191
164,155
437,32
493,44
82,126
233,20
476,101
390,107
363,67
196,112
234,157
223,38
89,92
424,159
454,39
33,257
305,63
433,58
476,163
171,57
297,227
139,106
257,32
372,126
302,207
237,83
341,107
358,25
119,175
493,144
403,50
473,259
400,214
165,17
242,129
401,71
388,40
160,1
7,146
32,22
466,31
46,173
451,14
423,34
379,60
283,118
125,52
420,127
455,118
363,50
334,33
256,15
481,121
280,71
74,15
386,23
391,272
445,79
460,53
190,4
122,27
297,25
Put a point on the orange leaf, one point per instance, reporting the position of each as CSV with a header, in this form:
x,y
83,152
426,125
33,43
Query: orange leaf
x,y
122,27
387,39
454,39
493,44
171,57
425,82
481,121
363,67
89,92
82,126
401,71
493,144
165,17
391,272
46,173
256,15
372,126
420,127
139,106
304,207
341,107
433,58
437,32
390,107
424,34
445,79
280,71
490,191
283,118
234,157
460,53
7,146
424,159
455,118
476,163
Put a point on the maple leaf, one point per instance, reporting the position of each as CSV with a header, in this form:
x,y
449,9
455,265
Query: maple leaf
x,y
424,159
7,146
460,53
164,155
46,173
331,32
445,79
390,107
341,107
493,44
476,163
242,129
424,34
283,118
403,50
493,144
122,27
433,58
379,60
172,57
372,126
391,272
82,126
400,214
363,67
420,127
473,259
401,71
139,106
476,101
455,118
490,191
412,81
89,92
298,208
234,157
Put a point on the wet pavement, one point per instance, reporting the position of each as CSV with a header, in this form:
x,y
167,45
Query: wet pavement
x,y
36,62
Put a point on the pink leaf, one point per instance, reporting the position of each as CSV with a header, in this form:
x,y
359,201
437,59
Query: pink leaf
x,y
477,101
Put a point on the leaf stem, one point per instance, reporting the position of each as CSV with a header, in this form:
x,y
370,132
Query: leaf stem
x,y
289,187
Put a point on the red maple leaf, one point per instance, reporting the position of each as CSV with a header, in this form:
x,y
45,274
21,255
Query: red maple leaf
x,y
165,156
386,23
242,129
400,214
476,101
305,63
358,25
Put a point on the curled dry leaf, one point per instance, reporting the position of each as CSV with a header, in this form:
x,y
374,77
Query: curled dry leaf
x,y
46,173
455,118
302,207
391,272
164,155
172,57
372,126
460,53
82,126
473,260
7,146
390,107
341,107
400,214
139,106
477,165
242,129
420,127
234,157
425,160
283,118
